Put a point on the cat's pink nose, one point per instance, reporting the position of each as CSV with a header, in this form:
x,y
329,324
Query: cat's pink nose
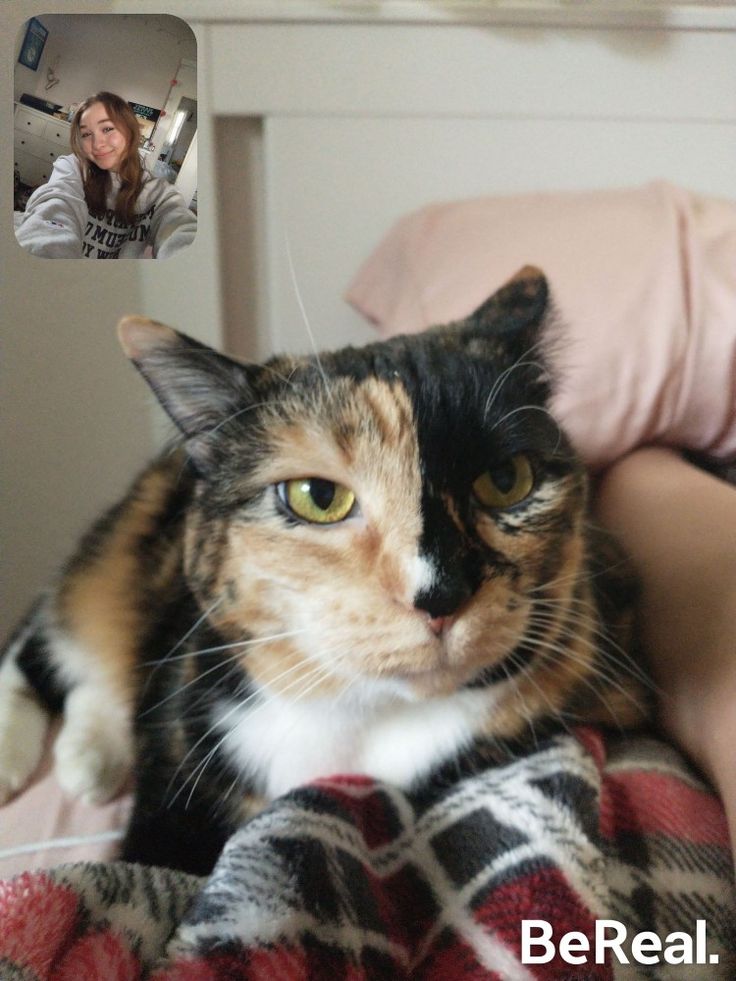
x,y
438,624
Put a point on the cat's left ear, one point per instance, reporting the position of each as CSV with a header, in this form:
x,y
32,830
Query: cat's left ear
x,y
199,388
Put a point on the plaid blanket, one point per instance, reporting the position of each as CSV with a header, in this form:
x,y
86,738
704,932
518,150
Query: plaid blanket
x,y
353,879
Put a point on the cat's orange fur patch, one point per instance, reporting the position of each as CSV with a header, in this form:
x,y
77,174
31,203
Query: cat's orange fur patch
x,y
98,602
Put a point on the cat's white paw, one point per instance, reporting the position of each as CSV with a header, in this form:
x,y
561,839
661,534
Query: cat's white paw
x,y
23,725
16,767
93,754
90,767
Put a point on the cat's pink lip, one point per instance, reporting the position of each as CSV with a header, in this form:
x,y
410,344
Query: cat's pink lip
x,y
440,625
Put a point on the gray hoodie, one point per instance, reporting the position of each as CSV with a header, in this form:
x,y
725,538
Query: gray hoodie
x,y
57,224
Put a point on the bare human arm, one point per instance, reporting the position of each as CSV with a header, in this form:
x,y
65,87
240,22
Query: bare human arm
x,y
679,525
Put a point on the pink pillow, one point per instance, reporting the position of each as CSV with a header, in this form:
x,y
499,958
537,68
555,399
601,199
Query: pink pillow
x,y
644,281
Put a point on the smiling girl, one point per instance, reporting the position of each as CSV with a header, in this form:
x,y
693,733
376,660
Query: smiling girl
x,y
100,202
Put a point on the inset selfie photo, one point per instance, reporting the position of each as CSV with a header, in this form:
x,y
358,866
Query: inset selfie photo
x,y
105,136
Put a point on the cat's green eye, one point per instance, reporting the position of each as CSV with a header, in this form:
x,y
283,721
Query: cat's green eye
x,y
506,484
318,501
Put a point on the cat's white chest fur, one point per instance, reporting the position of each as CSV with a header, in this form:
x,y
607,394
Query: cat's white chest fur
x,y
283,744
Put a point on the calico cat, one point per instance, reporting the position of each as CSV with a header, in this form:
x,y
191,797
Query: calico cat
x,y
370,561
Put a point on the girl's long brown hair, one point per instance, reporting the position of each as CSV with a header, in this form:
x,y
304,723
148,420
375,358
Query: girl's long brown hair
x,y
97,182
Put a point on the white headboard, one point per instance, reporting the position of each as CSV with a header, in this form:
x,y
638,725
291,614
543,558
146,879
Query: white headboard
x,y
326,128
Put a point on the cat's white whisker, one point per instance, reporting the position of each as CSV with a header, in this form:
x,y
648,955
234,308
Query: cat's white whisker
x,y
241,703
608,645
321,671
594,669
524,707
249,642
303,311
532,408
198,623
607,649
286,379
341,697
195,626
577,577
218,666
521,362
527,671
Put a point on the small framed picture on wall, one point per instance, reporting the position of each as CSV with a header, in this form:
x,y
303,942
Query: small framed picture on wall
x,y
33,44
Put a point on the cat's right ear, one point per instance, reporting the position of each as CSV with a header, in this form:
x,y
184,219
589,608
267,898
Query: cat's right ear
x,y
199,388
511,328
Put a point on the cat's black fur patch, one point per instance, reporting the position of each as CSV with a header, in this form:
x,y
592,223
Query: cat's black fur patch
x,y
33,660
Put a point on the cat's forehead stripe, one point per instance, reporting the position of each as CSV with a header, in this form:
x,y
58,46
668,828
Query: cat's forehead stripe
x,y
389,408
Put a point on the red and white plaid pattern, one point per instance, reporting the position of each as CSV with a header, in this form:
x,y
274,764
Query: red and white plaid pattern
x,y
356,880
